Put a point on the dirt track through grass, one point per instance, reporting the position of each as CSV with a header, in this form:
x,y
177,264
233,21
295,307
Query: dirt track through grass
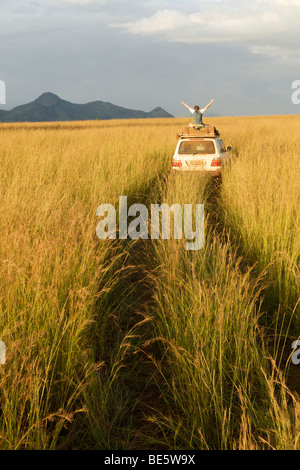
x,y
129,367
140,344
277,339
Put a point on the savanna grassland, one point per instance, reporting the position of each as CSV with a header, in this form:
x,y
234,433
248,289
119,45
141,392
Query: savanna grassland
x,y
141,344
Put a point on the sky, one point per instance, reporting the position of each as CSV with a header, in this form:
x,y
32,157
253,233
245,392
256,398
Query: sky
x,y
149,53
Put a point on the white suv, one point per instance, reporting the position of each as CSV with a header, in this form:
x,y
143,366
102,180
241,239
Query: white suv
x,y
201,150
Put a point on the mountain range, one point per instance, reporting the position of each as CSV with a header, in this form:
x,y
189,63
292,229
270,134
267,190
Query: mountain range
x,y
50,107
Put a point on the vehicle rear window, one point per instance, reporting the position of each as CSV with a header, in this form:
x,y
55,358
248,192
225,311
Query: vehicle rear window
x,y
196,147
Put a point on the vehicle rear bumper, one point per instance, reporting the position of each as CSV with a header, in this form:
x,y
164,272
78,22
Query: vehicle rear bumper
x,y
197,170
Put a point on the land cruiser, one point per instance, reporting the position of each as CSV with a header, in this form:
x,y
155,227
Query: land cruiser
x,y
200,149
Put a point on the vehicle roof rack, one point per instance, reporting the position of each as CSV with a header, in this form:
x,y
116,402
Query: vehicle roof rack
x,y
199,131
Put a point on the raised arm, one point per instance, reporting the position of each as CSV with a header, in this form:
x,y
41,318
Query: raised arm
x,y
186,105
209,104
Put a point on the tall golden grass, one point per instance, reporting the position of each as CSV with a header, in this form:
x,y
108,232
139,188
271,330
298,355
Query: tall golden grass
x,y
261,197
78,313
54,270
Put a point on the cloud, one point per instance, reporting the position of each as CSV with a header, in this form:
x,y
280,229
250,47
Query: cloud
x,y
268,27
233,48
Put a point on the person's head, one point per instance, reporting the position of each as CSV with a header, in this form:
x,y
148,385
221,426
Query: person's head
x,y
196,108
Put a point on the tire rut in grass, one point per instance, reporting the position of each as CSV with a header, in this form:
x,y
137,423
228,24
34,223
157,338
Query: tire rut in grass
x,y
278,344
122,342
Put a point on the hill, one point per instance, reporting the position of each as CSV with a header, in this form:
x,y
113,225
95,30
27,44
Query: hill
x,y
50,107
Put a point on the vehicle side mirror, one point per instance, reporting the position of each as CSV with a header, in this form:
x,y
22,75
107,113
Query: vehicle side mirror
x,y
228,149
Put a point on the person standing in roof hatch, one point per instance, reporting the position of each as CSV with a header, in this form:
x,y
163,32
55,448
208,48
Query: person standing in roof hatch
x,y
197,112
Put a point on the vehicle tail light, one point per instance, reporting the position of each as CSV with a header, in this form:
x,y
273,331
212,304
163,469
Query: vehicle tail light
x,y
216,162
176,163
